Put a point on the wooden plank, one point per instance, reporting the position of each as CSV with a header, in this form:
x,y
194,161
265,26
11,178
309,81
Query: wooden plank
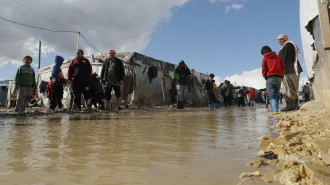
x,y
324,24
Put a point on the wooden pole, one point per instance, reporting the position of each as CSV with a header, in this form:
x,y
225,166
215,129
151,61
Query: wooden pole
x,y
324,24
161,82
39,55
78,40
36,90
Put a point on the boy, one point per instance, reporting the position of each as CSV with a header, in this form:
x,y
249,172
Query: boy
x,y
208,92
24,83
272,70
56,94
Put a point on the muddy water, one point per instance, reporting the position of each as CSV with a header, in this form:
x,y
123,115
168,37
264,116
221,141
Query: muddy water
x,y
164,146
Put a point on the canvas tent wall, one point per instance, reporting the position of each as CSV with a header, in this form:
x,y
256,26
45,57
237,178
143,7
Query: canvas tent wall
x,y
145,90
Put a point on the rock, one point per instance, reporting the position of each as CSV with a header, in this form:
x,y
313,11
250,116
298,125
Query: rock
x,y
265,142
280,151
243,175
287,136
257,163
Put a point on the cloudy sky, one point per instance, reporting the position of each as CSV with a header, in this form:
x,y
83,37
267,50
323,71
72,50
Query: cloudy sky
x,y
223,37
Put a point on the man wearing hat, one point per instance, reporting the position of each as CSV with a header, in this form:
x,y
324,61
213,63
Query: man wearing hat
x,y
112,77
181,75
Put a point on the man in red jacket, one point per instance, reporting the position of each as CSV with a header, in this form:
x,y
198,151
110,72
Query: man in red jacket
x,y
79,74
272,70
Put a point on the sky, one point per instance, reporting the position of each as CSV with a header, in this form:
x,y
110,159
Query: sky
x,y
223,37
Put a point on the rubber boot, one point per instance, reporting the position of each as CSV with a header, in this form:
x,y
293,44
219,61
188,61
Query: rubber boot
x,y
275,106
178,106
295,104
216,105
289,105
210,106
182,105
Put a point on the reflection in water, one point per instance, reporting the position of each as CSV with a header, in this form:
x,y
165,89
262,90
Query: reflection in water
x,y
193,146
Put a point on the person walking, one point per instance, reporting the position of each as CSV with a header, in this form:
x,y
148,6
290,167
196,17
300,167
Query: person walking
x,y
289,53
181,75
267,99
272,70
112,76
208,92
79,74
251,97
56,94
25,82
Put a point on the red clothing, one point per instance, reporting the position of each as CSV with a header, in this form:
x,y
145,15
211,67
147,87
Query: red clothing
x,y
272,65
79,70
267,93
49,88
252,93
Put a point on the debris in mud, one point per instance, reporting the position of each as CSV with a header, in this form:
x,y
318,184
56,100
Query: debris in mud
x,y
302,148
243,175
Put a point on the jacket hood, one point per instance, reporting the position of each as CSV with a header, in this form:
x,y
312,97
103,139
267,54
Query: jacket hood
x,y
270,55
59,60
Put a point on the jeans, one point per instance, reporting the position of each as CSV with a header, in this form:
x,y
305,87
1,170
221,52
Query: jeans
x,y
267,101
273,85
23,99
181,92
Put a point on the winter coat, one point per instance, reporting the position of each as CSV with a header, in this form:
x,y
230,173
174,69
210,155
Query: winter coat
x,y
119,70
57,72
252,93
80,70
272,65
181,75
25,76
287,53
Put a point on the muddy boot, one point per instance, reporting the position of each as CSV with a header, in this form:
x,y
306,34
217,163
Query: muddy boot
x,y
295,104
182,104
289,105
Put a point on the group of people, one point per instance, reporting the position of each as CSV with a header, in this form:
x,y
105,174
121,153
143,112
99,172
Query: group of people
x,y
81,79
285,68
276,69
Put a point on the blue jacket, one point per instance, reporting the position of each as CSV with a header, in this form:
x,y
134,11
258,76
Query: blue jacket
x,y
57,68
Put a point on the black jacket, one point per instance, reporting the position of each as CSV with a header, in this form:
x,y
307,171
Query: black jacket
x,y
119,68
287,53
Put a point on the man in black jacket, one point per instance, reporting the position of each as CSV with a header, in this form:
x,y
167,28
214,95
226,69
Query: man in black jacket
x,y
289,53
112,77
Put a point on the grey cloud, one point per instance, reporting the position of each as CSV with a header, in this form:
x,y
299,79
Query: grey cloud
x,y
124,25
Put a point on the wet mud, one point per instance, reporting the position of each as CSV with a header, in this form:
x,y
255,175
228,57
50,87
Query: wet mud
x,y
300,154
157,145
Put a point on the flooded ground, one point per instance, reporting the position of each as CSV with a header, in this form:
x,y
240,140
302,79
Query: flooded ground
x,y
156,146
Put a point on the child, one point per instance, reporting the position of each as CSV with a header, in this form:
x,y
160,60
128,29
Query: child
x,y
24,83
208,92
273,70
56,95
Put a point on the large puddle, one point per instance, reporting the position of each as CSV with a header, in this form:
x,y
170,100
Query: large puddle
x,y
153,147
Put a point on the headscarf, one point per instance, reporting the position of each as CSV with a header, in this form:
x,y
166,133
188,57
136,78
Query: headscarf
x,y
297,50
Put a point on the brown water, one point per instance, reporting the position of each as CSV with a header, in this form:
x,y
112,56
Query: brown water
x,y
153,147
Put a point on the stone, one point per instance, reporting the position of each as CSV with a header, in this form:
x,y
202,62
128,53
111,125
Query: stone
x,y
243,175
265,141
